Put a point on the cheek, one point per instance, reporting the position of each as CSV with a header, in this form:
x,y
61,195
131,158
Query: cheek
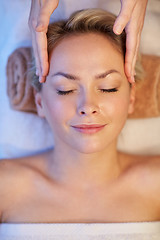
x,y
117,106
58,110
122,106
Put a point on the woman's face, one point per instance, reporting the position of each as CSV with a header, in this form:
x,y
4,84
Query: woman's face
x,y
86,97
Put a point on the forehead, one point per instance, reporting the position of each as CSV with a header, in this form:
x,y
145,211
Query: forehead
x,y
89,49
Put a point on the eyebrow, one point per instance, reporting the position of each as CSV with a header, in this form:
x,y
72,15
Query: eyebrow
x,y
73,77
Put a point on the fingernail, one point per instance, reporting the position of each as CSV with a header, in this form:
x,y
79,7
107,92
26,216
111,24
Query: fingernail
x,y
118,29
40,79
133,72
43,73
132,79
37,73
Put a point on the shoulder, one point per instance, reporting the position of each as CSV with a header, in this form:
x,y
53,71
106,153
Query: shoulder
x,y
151,173
8,170
14,173
15,180
146,182
145,173
11,171
7,175
148,169
141,169
149,182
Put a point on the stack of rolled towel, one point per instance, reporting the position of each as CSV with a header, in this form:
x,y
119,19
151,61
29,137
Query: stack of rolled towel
x,y
147,102
19,87
21,95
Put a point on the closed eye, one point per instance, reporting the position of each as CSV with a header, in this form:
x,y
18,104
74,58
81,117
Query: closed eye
x,y
59,92
109,90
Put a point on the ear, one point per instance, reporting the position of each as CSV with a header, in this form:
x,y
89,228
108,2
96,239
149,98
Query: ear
x,y
132,99
39,103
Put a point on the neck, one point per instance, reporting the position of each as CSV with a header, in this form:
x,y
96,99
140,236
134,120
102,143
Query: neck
x,y
84,171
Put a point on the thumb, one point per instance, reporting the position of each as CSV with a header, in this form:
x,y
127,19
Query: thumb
x,y
124,16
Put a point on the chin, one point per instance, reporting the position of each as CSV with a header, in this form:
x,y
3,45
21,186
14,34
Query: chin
x,y
89,148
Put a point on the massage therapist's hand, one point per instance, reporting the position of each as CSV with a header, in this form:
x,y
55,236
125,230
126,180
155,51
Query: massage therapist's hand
x,y
40,13
131,17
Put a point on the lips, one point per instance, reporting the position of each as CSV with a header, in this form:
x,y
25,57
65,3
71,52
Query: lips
x,y
89,128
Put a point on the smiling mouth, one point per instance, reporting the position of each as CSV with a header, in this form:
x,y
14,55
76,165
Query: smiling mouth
x,y
89,129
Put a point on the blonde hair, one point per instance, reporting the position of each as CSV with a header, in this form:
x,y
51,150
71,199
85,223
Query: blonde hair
x,y
81,22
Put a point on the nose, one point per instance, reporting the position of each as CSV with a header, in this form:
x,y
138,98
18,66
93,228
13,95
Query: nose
x,y
88,105
87,111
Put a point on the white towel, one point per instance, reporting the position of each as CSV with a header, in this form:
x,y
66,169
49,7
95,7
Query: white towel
x,y
81,231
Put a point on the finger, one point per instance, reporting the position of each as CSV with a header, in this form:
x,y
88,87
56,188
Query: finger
x,y
41,40
131,45
135,56
124,16
42,79
32,16
36,55
32,22
41,59
45,13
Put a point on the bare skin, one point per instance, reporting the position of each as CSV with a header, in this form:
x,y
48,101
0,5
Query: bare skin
x,y
83,179
131,17
29,194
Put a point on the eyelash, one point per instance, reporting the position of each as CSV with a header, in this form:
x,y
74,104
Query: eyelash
x,y
102,90
64,92
109,90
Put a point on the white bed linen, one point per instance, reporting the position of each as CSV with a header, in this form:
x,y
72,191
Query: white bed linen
x,y
81,231
23,133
